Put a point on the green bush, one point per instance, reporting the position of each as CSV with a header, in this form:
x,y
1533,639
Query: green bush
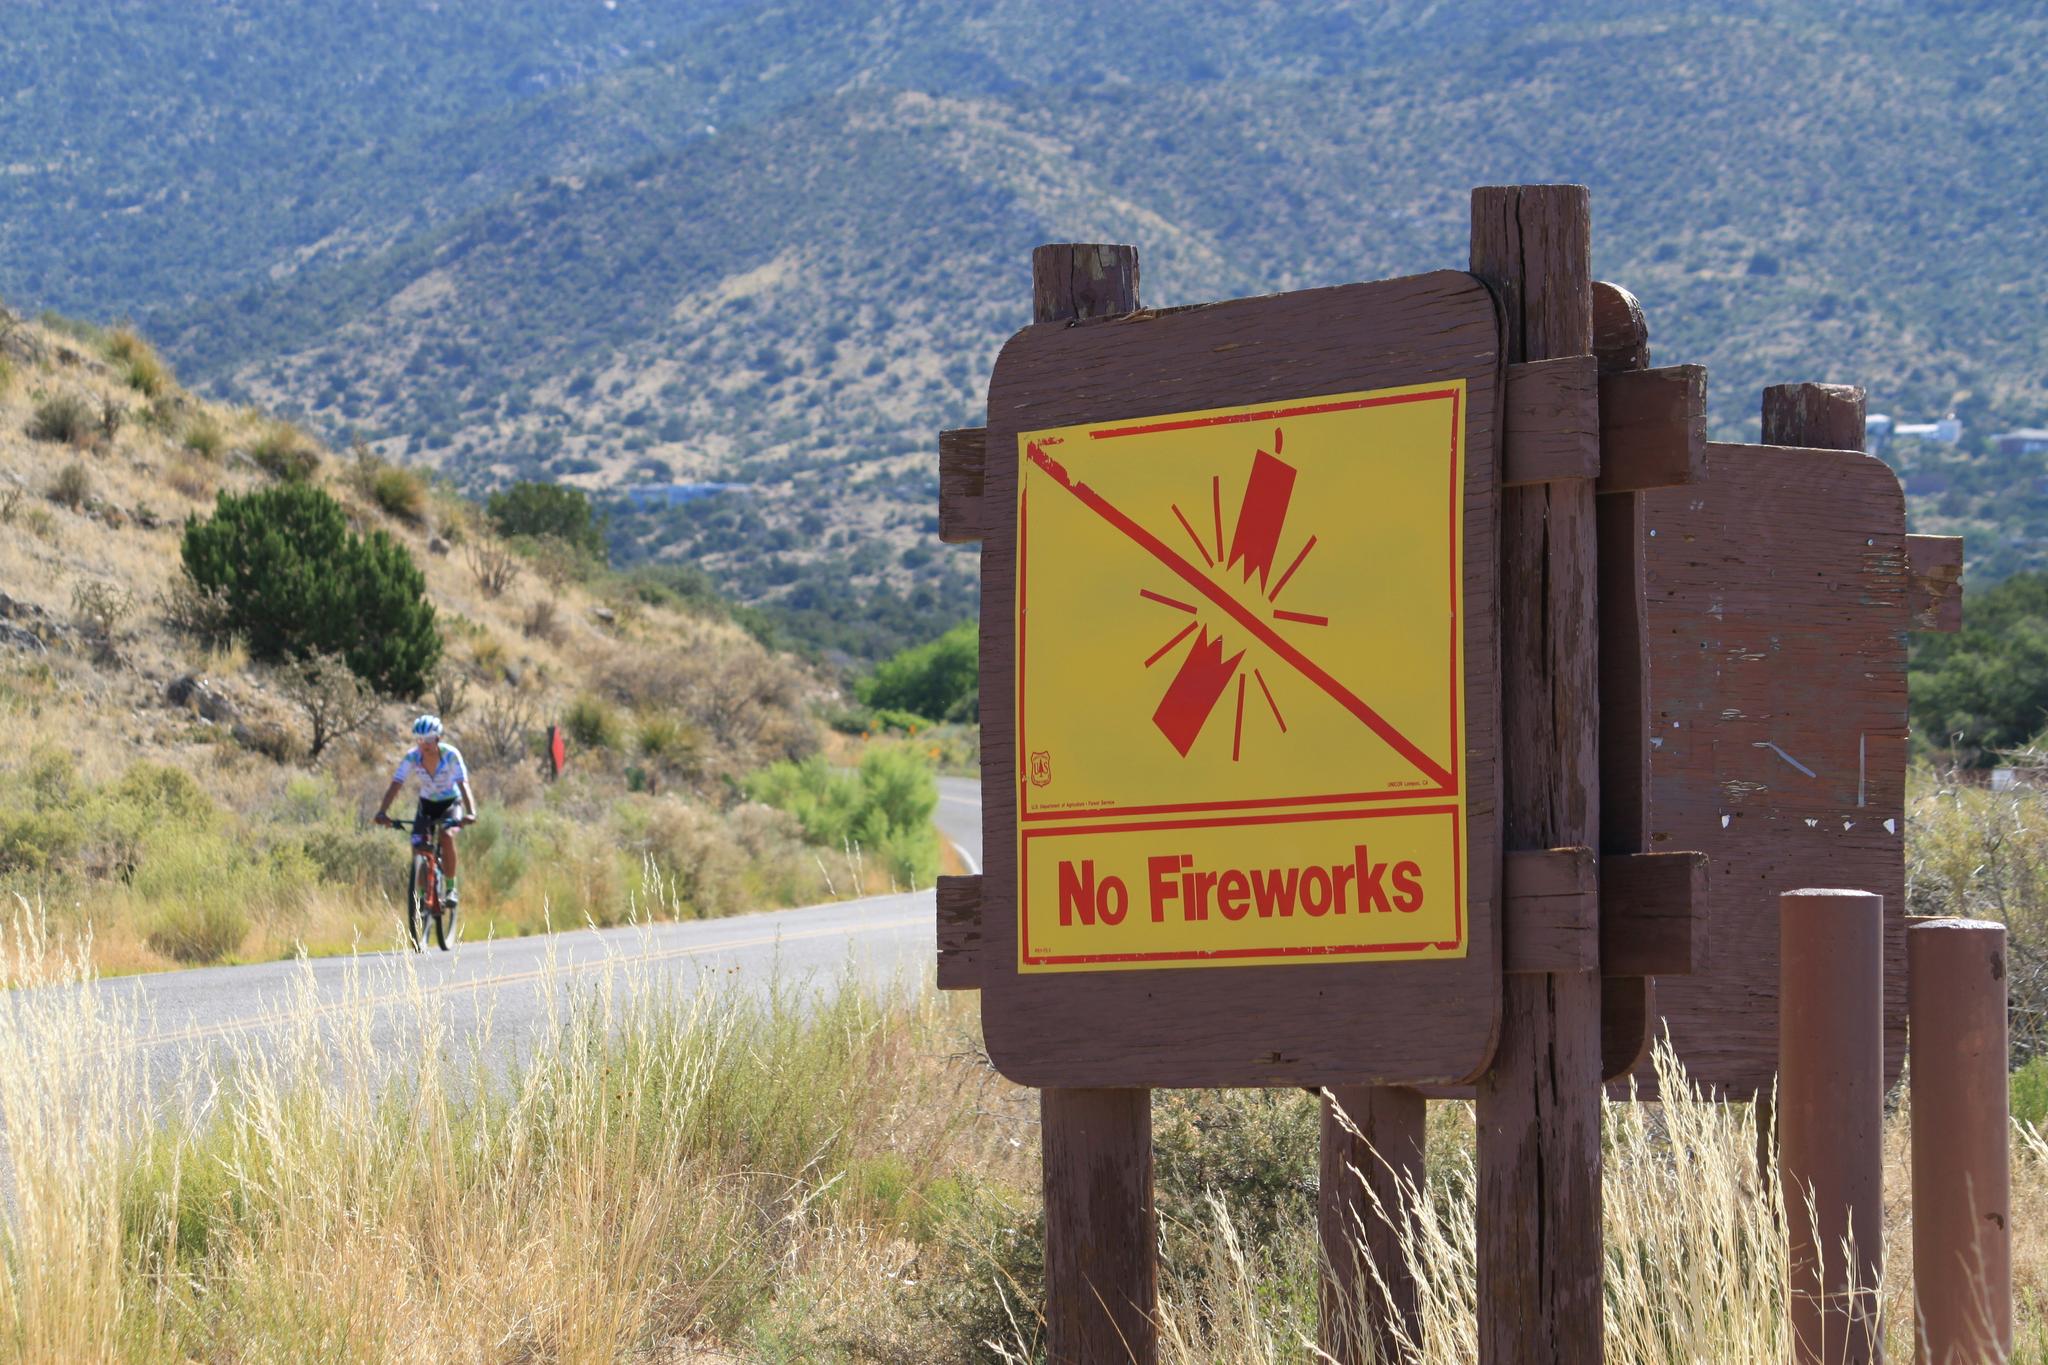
x,y
286,453
296,581
1985,688
592,723
544,511
142,369
72,486
884,808
204,437
400,492
939,680
197,932
2030,1094
66,417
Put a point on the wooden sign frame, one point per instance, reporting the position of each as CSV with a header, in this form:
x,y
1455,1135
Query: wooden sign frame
x,y
1305,1024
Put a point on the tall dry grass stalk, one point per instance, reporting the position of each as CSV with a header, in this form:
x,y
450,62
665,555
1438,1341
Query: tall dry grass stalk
x,y
666,1169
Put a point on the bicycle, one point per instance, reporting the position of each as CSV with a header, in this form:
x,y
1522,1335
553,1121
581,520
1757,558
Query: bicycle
x,y
423,886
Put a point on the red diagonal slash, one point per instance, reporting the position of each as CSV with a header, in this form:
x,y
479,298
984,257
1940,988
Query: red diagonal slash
x,y
1260,630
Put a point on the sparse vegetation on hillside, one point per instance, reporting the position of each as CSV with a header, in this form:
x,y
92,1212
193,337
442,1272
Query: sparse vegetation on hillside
x,y
296,582
116,664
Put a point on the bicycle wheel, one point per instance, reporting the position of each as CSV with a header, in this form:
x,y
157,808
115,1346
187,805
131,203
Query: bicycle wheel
x,y
416,903
444,923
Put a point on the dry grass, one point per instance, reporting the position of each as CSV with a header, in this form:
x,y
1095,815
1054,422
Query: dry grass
x,y
674,1173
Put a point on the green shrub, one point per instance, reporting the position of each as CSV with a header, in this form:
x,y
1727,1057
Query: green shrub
x,y
400,492
296,581
72,486
285,452
2030,1093
204,437
197,932
885,808
591,722
939,680
142,369
66,417
549,510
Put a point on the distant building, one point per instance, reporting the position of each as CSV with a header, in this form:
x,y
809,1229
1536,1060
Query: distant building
x,y
1877,431
2023,441
1948,431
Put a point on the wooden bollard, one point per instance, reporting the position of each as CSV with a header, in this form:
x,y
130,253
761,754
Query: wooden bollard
x,y
1101,1252
1962,1177
1830,1117
1371,1160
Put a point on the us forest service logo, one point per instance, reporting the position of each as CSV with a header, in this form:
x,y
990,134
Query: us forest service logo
x,y
1241,630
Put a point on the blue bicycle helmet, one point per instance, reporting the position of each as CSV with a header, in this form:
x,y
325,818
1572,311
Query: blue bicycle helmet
x,y
427,727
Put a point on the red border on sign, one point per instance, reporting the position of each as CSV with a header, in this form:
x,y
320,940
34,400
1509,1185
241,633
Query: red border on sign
x,y
1026,813
1240,954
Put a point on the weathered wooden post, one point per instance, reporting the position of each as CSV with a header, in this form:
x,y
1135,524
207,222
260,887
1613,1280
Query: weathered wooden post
x,y
1539,1105
1962,1173
1101,1241
1372,1157
1831,1120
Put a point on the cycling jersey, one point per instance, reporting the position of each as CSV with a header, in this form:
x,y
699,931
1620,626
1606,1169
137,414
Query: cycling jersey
x,y
440,784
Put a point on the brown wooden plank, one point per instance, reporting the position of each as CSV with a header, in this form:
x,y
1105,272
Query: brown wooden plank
x,y
959,910
1621,340
1621,335
1308,1024
1816,416
1653,914
1550,910
1552,422
1539,1256
1653,428
1372,1159
1101,1235
1101,1232
1777,591
961,454
1934,591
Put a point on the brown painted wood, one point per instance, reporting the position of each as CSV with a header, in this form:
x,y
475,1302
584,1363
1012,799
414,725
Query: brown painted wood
x,y
1777,592
1551,418
1101,1235
961,455
959,936
1653,914
1539,1256
1550,910
1653,428
1621,340
1621,335
1818,416
1372,1159
1101,1232
1072,282
1310,1024
1934,593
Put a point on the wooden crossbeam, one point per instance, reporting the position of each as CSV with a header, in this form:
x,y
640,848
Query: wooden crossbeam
x,y
963,455
1653,428
1934,587
1624,914
959,933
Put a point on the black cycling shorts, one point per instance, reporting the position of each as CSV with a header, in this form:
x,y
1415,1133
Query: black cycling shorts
x,y
435,811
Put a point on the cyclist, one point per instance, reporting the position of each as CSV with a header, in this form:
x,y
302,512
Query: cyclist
x,y
443,780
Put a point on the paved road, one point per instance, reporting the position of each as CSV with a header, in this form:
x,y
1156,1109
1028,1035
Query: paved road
x,y
880,939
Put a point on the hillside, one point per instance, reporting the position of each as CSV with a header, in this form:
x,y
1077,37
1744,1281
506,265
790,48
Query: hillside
x,y
156,785
781,248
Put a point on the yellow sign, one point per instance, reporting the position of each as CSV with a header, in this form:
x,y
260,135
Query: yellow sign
x,y
1240,685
